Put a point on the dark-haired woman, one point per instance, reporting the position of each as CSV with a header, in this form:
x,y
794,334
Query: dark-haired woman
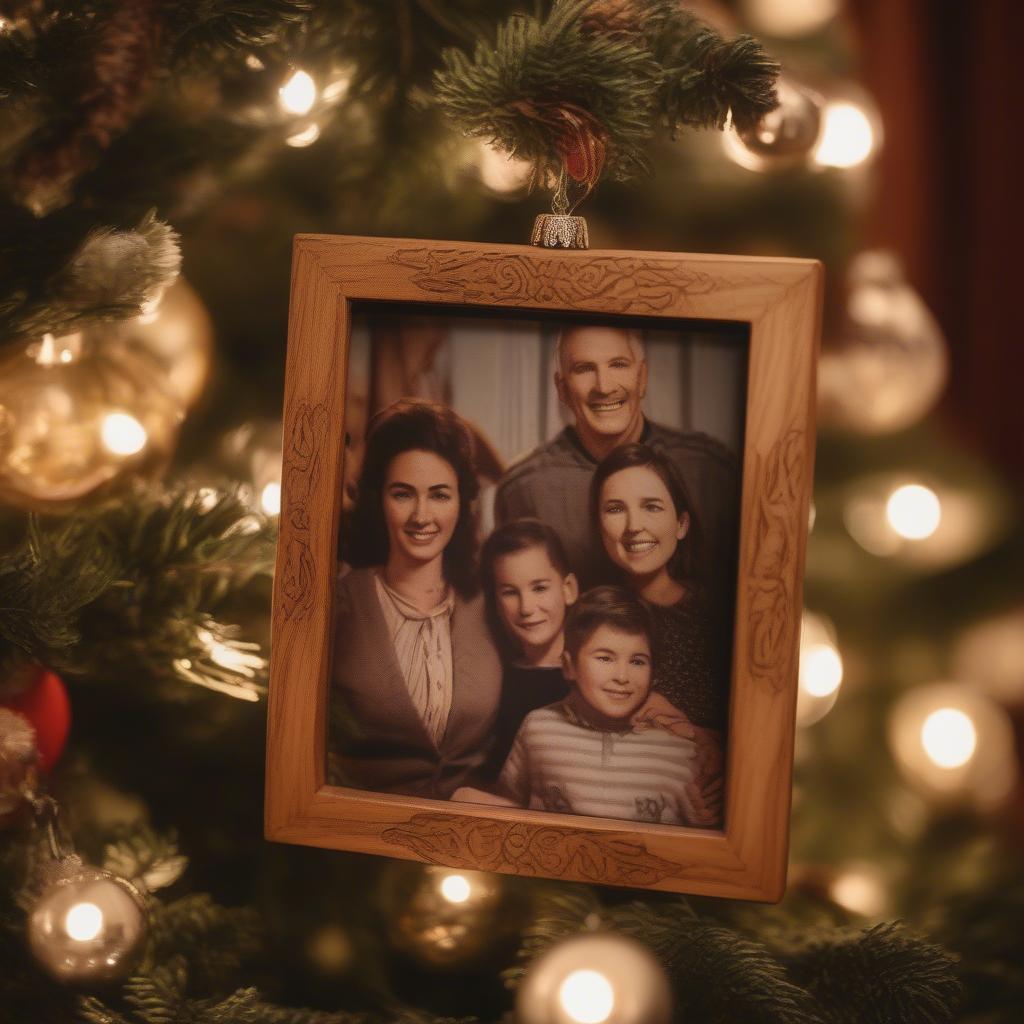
x,y
645,519
415,671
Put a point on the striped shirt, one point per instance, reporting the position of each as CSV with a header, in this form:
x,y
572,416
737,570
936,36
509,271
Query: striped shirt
x,y
559,763
423,646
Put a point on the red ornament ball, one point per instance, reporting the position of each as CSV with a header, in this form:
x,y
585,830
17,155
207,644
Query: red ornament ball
x,y
44,703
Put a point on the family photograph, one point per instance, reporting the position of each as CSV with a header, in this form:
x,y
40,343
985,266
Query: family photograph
x,y
536,563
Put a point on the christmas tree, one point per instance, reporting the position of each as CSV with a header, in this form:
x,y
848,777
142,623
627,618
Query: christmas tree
x,y
158,159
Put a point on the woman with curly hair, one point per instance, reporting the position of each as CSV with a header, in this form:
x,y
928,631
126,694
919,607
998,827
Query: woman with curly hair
x,y
416,677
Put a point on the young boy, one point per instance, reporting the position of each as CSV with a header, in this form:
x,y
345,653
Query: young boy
x,y
583,754
528,587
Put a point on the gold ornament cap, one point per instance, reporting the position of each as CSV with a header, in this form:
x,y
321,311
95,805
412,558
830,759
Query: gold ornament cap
x,y
560,231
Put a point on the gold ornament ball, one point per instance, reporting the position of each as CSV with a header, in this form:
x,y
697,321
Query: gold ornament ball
x,y
88,928
595,978
443,917
177,335
74,413
785,136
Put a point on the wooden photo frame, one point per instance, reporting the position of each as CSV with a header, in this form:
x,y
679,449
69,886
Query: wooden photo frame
x,y
774,307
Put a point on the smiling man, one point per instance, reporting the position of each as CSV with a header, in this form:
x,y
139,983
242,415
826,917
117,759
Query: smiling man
x,y
601,378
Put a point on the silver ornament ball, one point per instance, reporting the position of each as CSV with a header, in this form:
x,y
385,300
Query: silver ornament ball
x,y
595,978
88,928
785,136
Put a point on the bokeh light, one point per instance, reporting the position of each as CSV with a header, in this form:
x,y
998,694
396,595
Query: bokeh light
x,y
298,94
821,669
83,922
949,737
455,888
914,511
123,434
587,997
847,136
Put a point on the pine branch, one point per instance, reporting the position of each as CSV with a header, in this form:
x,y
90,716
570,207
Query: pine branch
x,y
982,927
707,78
149,860
41,46
881,976
213,27
522,93
560,913
45,583
127,589
583,87
112,275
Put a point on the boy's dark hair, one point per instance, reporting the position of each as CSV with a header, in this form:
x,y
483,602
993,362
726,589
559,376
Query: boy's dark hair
x,y
607,606
518,535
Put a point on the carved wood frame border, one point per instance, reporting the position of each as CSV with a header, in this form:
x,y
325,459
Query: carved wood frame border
x,y
780,299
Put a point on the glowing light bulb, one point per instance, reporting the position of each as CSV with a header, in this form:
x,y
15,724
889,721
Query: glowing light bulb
x,y
847,137
859,889
949,737
587,997
123,434
788,18
83,922
913,511
455,888
306,137
501,172
821,670
270,498
298,94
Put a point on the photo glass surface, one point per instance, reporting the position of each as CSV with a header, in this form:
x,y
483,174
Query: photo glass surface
x,y
537,560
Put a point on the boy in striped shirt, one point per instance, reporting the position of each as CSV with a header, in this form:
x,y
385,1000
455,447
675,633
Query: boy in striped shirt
x,y
583,755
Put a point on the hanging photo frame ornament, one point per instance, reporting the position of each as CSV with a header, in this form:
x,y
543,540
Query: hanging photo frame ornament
x,y
561,229
351,299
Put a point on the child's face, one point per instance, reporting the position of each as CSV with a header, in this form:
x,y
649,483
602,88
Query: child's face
x,y
612,671
531,596
639,523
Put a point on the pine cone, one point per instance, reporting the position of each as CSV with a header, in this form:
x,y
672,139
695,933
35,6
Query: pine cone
x,y
613,17
113,91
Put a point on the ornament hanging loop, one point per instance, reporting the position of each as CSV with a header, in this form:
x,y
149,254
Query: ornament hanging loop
x,y
560,229
47,812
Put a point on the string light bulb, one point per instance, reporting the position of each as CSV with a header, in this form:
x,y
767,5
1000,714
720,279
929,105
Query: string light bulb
x,y
929,524
954,744
305,136
848,137
821,669
913,511
501,173
786,19
270,498
455,888
949,737
83,922
298,94
587,997
594,978
123,434
860,888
